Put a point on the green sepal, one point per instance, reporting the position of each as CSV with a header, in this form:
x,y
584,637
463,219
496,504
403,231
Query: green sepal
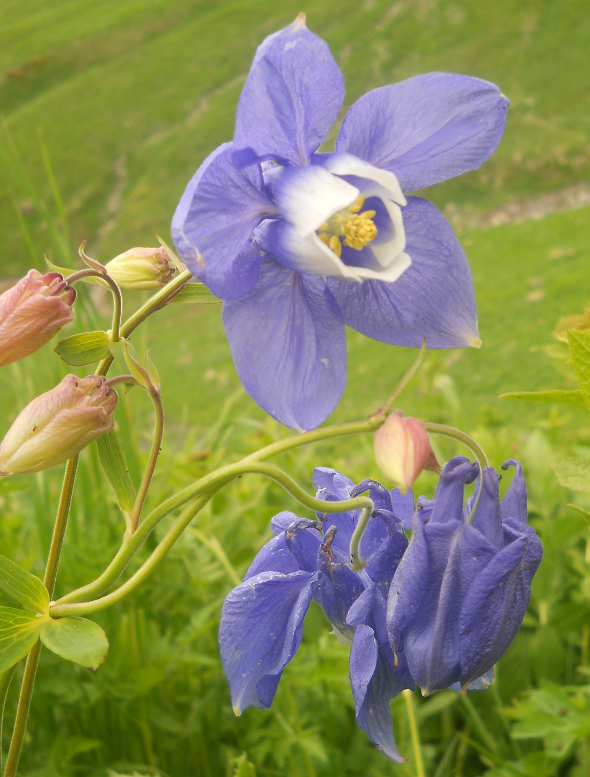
x,y
19,630
87,348
572,472
194,294
580,350
76,639
112,460
171,255
23,586
552,395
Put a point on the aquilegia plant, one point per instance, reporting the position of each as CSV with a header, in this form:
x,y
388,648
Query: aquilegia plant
x,y
297,243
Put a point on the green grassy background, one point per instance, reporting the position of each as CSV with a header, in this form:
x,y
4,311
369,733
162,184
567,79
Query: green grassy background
x,y
123,100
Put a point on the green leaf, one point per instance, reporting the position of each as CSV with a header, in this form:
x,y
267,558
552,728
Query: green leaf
x,y
243,767
76,639
572,472
564,397
580,350
194,294
115,468
19,631
87,348
23,586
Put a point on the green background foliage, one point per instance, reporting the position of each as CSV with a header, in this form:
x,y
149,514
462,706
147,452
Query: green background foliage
x,y
109,106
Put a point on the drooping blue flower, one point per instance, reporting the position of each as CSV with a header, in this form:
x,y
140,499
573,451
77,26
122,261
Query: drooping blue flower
x,y
262,619
299,243
460,593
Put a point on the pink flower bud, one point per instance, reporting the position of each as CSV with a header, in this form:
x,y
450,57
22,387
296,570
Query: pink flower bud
x,y
58,424
31,313
402,450
141,268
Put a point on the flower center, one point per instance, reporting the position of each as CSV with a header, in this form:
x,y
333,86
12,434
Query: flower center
x,y
355,229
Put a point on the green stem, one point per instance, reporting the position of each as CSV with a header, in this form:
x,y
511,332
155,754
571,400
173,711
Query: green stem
x,y
479,724
28,683
468,441
5,680
117,298
415,366
409,699
131,544
222,476
357,535
151,463
154,303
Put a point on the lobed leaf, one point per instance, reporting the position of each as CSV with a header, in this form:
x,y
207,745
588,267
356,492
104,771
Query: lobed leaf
x,y
87,348
23,586
19,631
76,639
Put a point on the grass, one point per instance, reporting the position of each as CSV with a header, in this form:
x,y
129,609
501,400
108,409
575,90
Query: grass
x,y
130,97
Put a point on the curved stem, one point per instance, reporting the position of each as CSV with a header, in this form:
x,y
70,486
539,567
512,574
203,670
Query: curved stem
x,y
151,463
357,535
132,543
62,609
154,303
28,683
117,298
468,441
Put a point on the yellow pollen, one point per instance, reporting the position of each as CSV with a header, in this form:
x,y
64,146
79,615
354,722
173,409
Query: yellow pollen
x,y
355,229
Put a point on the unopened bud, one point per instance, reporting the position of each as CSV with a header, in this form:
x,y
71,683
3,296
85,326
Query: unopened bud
x,y
141,268
403,450
32,312
58,424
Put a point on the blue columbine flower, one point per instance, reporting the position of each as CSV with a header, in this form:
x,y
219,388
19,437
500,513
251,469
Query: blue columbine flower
x,y
300,243
262,619
460,593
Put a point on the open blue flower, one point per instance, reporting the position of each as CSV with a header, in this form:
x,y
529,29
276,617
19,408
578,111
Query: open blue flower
x,y
460,593
300,243
262,619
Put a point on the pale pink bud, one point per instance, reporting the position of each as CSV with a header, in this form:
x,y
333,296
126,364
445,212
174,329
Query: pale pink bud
x,y
58,424
141,268
402,450
31,313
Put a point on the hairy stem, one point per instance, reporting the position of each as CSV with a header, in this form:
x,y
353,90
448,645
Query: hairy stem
x,y
468,441
415,366
26,691
62,608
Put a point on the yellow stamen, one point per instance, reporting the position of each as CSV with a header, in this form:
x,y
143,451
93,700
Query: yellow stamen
x,y
355,229
336,245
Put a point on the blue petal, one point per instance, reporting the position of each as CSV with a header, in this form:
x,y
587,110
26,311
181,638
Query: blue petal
x,y
332,486
337,588
448,499
514,504
373,679
275,556
384,559
433,298
426,129
291,98
403,506
488,515
493,609
260,632
303,540
214,223
289,346
281,522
